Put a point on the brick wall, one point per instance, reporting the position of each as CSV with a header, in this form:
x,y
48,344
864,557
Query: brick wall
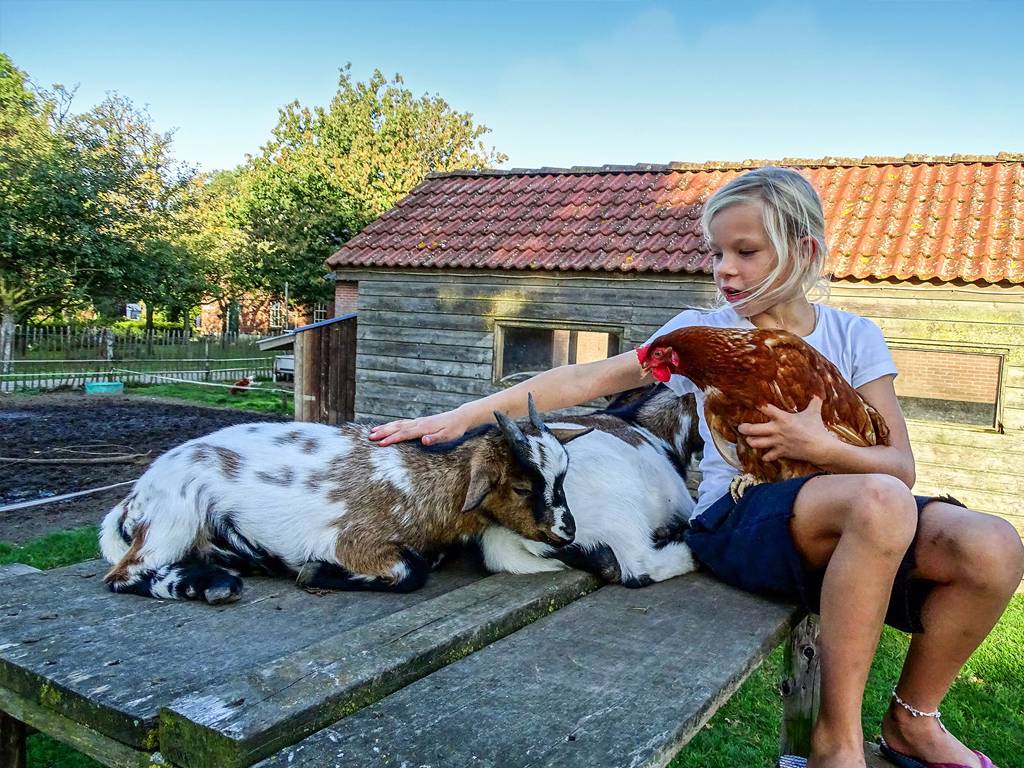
x,y
968,377
254,317
346,293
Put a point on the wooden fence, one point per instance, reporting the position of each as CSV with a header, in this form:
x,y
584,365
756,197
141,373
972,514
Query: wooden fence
x,y
79,342
50,358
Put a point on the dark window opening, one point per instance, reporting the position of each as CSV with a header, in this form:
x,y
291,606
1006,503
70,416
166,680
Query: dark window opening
x,y
529,350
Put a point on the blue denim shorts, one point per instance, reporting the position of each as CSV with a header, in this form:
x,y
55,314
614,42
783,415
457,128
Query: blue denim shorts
x,y
749,545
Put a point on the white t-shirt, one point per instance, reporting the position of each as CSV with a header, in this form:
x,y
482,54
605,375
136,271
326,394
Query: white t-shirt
x,y
852,343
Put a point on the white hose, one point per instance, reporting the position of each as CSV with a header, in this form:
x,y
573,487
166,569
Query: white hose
x,y
38,502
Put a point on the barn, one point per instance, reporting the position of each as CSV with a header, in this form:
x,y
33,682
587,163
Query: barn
x,y
477,279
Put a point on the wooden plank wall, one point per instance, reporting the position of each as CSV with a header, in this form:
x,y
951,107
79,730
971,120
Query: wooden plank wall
x,y
426,339
984,468
425,344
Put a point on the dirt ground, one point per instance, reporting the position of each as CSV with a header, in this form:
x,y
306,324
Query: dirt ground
x,y
47,426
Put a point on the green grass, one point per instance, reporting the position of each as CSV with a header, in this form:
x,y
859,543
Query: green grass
x,y
253,400
55,550
985,706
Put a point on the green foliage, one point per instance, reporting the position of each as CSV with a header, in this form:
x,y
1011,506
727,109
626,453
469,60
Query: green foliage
x,y
88,203
137,326
329,171
150,195
55,550
94,210
212,232
53,227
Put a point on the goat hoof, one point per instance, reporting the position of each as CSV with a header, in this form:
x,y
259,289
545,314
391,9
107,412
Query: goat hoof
x,y
226,590
221,595
307,573
637,582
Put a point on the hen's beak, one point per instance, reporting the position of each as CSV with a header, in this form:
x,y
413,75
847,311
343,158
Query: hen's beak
x,y
641,355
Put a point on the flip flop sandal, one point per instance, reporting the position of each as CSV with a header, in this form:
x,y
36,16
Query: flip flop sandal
x,y
906,761
791,761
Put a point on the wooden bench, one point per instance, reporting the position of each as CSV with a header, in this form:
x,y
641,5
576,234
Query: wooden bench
x,y
545,670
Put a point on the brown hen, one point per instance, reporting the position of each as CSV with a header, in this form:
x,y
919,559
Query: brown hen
x,y
740,371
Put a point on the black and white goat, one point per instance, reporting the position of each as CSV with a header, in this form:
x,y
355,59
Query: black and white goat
x,y
627,489
326,503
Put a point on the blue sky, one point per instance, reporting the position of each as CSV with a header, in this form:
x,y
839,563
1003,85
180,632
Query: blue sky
x,y
559,83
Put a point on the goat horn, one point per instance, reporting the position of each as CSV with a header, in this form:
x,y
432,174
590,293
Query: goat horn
x,y
534,416
514,436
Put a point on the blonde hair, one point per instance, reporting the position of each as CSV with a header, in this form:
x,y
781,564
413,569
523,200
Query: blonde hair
x,y
791,211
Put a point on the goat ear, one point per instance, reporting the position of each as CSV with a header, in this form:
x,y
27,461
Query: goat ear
x,y
481,482
565,435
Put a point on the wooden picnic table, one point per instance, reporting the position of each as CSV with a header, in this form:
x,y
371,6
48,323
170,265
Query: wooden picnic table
x,y
473,669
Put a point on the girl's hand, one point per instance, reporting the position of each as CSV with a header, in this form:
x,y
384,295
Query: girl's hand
x,y
439,428
801,436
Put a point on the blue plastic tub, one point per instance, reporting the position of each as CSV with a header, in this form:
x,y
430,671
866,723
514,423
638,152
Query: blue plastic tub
x,y
104,387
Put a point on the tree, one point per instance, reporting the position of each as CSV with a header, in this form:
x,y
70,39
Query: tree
x,y
148,192
54,233
329,171
220,250
11,302
86,202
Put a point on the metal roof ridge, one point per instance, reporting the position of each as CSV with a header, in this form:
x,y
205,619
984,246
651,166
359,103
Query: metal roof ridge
x,y
730,165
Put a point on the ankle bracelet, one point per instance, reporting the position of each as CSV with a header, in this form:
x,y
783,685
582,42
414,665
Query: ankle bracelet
x,y
914,712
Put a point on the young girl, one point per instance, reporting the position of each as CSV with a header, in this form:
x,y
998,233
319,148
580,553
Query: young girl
x,y
853,545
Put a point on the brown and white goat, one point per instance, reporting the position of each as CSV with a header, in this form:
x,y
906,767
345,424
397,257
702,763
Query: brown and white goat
x,y
325,503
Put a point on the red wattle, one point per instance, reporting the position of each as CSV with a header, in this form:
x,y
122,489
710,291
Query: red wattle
x,y
661,373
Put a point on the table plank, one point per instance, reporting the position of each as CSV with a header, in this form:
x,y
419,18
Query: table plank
x,y
80,738
249,717
114,674
11,570
63,600
620,677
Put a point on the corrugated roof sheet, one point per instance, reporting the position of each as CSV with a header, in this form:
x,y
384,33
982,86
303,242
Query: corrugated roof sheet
x,y
944,218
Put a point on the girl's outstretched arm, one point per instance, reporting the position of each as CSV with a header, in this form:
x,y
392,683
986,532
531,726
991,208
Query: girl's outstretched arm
x,y
557,388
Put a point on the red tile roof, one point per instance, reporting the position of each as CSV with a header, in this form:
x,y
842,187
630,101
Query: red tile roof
x,y
944,218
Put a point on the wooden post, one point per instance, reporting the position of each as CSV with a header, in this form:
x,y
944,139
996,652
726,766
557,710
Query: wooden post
x,y
800,688
347,370
311,374
12,742
298,382
7,327
108,345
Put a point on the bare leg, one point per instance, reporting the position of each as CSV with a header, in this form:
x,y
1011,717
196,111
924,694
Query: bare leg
x,y
859,526
977,560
